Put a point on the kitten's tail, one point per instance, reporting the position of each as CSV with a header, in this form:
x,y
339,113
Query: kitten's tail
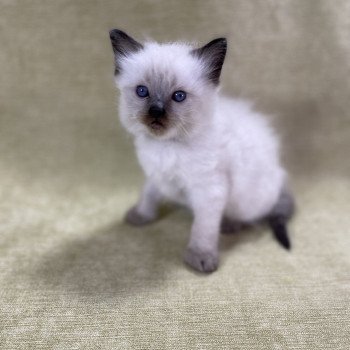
x,y
278,218
278,225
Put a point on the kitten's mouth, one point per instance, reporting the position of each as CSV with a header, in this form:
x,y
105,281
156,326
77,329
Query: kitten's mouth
x,y
156,125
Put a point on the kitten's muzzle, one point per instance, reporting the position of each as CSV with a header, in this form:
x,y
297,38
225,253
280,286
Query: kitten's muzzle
x,y
156,112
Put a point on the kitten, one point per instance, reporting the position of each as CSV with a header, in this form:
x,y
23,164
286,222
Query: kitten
x,y
213,154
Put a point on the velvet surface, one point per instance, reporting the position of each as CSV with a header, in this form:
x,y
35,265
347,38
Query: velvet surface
x,y
74,276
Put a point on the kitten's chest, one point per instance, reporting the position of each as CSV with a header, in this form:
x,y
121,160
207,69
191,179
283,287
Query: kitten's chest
x,y
168,167
163,163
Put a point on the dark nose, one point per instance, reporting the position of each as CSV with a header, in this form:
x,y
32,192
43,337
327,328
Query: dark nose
x,y
156,112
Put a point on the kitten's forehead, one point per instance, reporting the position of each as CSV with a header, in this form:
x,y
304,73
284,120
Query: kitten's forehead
x,y
162,65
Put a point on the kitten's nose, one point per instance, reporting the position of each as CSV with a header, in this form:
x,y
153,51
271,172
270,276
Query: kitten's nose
x,y
156,111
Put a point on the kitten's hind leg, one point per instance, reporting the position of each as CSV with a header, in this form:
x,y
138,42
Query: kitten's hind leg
x,y
279,216
146,210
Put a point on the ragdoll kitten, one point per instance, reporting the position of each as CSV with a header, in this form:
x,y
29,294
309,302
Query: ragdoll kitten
x,y
213,154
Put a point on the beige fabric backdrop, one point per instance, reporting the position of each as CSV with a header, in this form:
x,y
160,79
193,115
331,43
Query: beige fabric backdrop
x,y
73,276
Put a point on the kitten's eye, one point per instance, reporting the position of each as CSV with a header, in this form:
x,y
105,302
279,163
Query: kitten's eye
x,y
142,91
179,96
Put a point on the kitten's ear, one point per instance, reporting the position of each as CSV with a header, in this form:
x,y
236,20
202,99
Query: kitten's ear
x,y
213,56
122,45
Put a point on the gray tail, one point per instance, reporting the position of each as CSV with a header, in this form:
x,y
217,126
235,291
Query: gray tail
x,y
278,225
279,216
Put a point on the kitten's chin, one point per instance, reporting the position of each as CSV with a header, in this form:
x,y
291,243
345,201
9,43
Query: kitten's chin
x,y
157,127
160,132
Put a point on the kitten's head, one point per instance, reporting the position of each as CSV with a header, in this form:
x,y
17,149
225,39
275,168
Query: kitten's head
x,y
167,90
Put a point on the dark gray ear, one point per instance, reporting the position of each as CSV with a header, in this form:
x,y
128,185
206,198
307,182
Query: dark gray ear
x,y
123,45
213,56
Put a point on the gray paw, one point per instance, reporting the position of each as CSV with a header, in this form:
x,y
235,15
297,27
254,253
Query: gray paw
x,y
133,217
203,261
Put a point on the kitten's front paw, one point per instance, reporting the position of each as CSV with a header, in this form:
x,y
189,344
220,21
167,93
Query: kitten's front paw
x,y
203,261
133,217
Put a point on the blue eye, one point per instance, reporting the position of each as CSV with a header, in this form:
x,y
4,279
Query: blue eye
x,y
142,91
179,96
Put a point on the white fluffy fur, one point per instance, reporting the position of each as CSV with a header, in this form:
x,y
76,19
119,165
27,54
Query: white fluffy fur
x,y
237,156
223,160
